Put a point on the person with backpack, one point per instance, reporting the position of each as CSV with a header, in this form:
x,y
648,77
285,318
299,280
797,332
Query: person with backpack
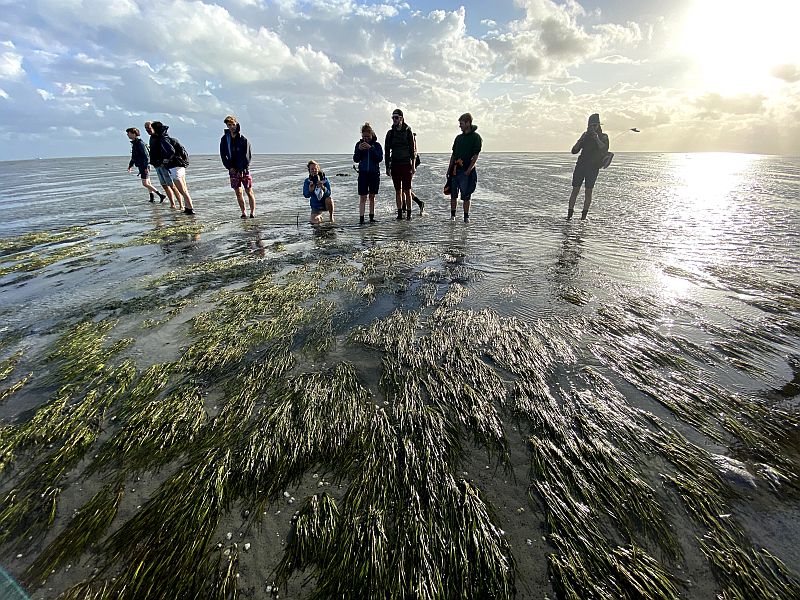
x,y
400,152
593,146
234,150
175,158
141,158
162,172
368,154
461,173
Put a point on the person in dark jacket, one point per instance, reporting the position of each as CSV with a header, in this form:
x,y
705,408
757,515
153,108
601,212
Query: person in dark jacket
x,y
368,154
141,158
234,150
593,146
461,172
170,160
401,152
163,173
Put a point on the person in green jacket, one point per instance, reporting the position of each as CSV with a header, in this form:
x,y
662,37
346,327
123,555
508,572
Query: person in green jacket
x,y
461,173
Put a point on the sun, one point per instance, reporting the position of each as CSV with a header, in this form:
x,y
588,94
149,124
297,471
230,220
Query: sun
x,y
735,44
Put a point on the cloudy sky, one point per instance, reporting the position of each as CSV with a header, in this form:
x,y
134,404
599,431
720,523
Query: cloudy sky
x,y
303,75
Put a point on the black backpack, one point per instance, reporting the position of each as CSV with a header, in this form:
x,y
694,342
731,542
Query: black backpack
x,y
181,155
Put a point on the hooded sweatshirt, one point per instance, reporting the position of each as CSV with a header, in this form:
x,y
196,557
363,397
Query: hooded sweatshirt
x,y
157,157
235,151
368,160
466,145
139,155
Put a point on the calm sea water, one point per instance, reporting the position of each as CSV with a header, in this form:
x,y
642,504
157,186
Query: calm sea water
x,y
713,232
697,247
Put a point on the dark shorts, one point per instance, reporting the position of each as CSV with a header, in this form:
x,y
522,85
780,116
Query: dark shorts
x,y
584,172
464,183
144,172
368,183
244,180
401,176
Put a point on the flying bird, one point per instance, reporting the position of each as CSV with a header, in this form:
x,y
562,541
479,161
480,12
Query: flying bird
x,y
635,129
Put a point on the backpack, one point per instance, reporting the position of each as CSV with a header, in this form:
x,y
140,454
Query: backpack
x,y
181,155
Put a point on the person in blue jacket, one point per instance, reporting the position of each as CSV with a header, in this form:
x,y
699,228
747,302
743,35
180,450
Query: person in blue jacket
x,y
317,189
140,157
234,150
368,154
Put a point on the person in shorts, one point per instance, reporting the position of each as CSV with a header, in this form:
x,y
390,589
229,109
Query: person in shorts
x,y
368,154
401,151
317,189
593,146
234,150
163,173
170,160
461,173
140,157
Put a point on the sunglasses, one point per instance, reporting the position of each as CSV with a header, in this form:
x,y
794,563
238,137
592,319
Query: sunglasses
x,y
395,118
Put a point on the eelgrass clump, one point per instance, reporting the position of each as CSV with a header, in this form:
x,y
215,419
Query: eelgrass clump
x,y
87,527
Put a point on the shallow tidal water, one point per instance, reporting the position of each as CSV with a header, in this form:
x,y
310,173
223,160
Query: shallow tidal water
x,y
613,388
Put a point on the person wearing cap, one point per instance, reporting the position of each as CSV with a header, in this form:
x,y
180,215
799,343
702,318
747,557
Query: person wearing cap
x,y
461,171
593,146
400,152
234,150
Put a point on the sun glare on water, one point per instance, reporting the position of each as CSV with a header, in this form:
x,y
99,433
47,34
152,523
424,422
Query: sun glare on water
x,y
735,44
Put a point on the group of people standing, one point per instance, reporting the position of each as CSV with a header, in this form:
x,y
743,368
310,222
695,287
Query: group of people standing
x,y
398,153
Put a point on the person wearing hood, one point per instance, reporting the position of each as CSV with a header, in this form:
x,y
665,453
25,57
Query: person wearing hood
x,y
141,158
461,173
401,152
162,172
368,154
593,146
165,150
234,150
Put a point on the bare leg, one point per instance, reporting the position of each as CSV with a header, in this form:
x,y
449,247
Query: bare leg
x,y
330,206
251,196
171,194
398,198
240,200
371,207
149,186
362,203
466,208
587,201
572,197
180,185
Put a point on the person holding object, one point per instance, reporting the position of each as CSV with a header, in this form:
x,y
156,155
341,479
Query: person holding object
x,y
593,146
141,158
368,154
401,152
317,189
462,176
234,150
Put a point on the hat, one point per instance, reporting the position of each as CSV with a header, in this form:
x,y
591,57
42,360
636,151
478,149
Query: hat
x,y
594,119
397,112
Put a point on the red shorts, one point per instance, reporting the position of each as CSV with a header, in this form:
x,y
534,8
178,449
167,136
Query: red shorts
x,y
241,179
401,176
